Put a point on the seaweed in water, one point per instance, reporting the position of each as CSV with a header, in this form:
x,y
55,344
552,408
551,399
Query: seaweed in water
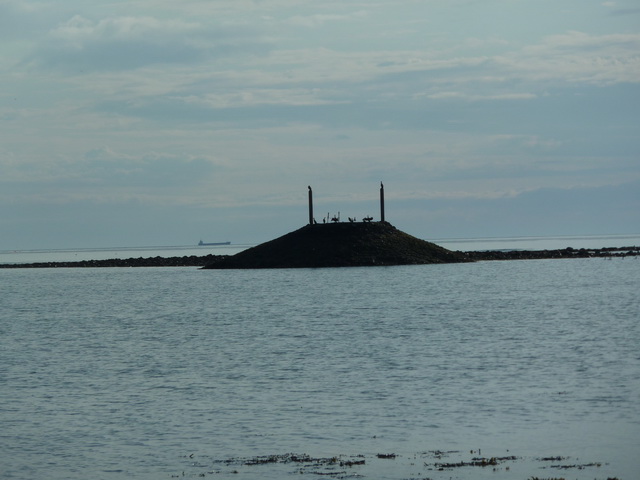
x,y
579,467
350,466
475,462
386,455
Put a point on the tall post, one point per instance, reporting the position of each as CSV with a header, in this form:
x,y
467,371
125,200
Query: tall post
x,y
310,206
381,202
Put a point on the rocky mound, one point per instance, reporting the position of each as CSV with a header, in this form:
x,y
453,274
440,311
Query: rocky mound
x,y
341,245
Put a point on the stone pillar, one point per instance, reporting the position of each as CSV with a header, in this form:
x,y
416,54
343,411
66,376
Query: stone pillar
x,y
381,202
310,206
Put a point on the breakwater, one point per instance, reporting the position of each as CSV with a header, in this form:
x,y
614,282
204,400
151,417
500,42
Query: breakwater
x,y
201,261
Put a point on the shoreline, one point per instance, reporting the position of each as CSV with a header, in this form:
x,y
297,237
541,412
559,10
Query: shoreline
x,y
201,261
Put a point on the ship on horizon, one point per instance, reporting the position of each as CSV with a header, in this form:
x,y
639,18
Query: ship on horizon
x,y
203,244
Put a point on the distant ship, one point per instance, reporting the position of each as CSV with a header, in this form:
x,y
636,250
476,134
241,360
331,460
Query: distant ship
x,y
202,244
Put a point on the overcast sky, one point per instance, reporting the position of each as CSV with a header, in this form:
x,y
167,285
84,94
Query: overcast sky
x,y
153,122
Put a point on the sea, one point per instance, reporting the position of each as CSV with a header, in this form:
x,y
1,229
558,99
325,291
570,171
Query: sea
x,y
487,370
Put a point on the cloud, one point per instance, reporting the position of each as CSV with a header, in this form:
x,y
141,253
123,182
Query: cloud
x,y
479,98
578,57
580,210
79,30
626,11
107,175
318,20
124,43
261,97
475,100
105,167
16,19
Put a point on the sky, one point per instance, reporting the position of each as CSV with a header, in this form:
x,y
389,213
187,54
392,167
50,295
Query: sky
x,y
153,122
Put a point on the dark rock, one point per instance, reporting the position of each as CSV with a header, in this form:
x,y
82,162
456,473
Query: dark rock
x,y
610,252
186,261
341,245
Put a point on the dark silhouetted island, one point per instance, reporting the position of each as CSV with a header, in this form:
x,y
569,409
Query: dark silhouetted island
x,y
339,244
353,244
210,261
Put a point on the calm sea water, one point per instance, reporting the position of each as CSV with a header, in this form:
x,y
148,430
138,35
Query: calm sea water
x,y
157,373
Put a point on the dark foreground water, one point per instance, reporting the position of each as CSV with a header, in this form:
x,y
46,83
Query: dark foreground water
x,y
179,372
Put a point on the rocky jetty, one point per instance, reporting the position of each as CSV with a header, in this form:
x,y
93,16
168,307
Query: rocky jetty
x,y
185,261
353,244
332,249
608,252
